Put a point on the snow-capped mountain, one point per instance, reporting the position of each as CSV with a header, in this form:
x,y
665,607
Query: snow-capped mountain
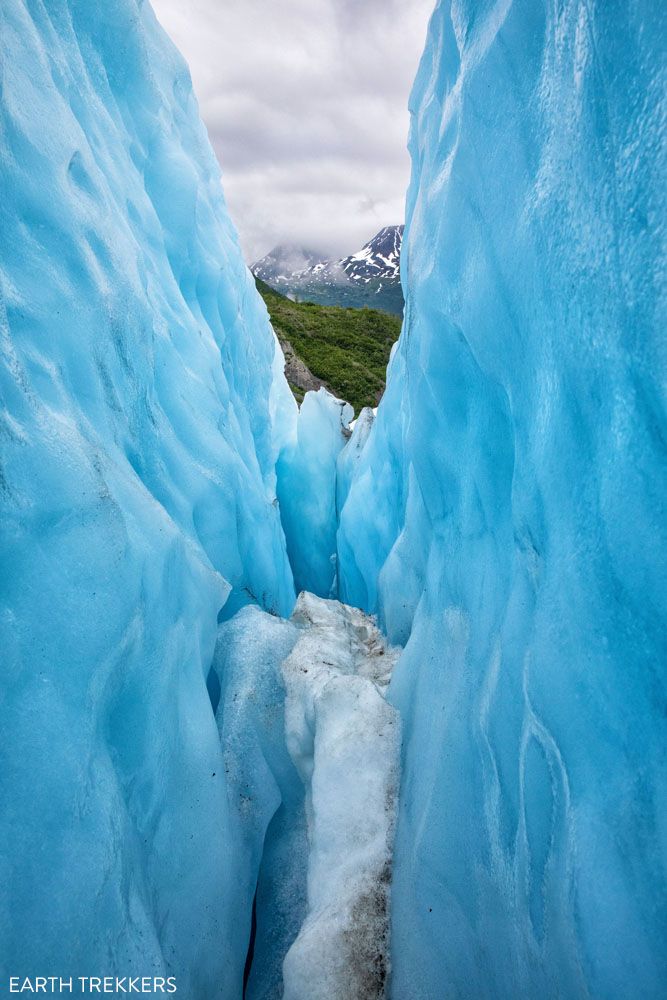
x,y
284,261
370,277
379,258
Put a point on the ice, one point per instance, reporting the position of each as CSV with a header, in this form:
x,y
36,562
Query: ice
x,y
307,490
310,757
349,457
506,516
137,492
266,833
344,739
175,742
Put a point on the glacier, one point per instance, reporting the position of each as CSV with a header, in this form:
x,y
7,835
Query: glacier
x,y
344,740
295,705
141,419
308,491
506,518
267,828
311,761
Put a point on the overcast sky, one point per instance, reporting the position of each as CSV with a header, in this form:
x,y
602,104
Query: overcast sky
x,y
306,105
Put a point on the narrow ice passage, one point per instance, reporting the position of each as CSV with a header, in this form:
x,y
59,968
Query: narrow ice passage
x,y
503,516
311,751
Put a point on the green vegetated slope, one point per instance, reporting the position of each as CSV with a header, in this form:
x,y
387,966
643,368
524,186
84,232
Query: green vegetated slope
x,y
347,350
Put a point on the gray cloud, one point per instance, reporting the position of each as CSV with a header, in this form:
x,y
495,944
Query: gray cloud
x,y
305,102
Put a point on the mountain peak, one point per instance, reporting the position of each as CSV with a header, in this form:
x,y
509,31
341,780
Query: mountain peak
x,y
379,258
369,277
283,261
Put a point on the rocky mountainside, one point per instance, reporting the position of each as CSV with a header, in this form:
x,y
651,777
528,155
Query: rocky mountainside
x,y
369,278
379,258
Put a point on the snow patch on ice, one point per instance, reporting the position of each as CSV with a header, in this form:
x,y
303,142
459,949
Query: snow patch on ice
x,y
344,740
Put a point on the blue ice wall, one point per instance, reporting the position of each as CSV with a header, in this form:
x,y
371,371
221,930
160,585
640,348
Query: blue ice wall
x,y
507,515
267,818
137,486
307,489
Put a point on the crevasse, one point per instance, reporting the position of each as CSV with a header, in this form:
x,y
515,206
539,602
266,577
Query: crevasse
x,y
182,747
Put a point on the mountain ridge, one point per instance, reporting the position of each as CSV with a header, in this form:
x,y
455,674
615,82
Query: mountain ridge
x,y
368,278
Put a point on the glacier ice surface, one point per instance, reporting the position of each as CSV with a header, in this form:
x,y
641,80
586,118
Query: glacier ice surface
x,y
307,490
503,515
137,387
506,517
344,739
266,825
310,752
349,456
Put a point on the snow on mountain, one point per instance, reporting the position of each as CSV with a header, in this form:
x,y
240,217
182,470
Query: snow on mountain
x,y
370,277
282,262
379,258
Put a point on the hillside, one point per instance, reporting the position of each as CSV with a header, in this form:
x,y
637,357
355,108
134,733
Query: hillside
x,y
346,350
